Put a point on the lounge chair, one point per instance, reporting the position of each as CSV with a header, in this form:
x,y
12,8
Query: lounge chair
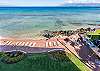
x,y
50,44
23,44
26,44
54,43
46,44
20,43
9,42
32,44
17,43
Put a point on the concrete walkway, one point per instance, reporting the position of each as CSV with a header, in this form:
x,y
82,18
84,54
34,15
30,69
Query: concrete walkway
x,y
9,48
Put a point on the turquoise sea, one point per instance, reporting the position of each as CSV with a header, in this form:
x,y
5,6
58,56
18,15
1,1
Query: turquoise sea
x,y
29,22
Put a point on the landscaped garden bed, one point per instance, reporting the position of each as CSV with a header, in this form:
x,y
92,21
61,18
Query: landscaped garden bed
x,y
12,57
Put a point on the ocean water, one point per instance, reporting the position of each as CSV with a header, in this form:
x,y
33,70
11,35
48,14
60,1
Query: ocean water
x,y
29,22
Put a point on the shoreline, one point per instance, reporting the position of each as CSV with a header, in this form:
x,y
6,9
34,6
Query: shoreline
x,y
41,42
38,35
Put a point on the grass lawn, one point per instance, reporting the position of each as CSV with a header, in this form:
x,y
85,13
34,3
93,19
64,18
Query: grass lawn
x,y
78,63
97,32
94,35
55,61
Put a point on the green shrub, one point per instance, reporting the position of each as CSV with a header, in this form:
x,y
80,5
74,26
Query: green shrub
x,y
9,57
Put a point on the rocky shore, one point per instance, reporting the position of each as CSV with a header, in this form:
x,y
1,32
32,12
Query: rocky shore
x,y
50,34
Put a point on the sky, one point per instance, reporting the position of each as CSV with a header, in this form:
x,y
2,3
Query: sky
x,y
43,2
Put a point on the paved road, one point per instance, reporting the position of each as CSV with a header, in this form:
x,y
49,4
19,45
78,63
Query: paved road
x,y
6,48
